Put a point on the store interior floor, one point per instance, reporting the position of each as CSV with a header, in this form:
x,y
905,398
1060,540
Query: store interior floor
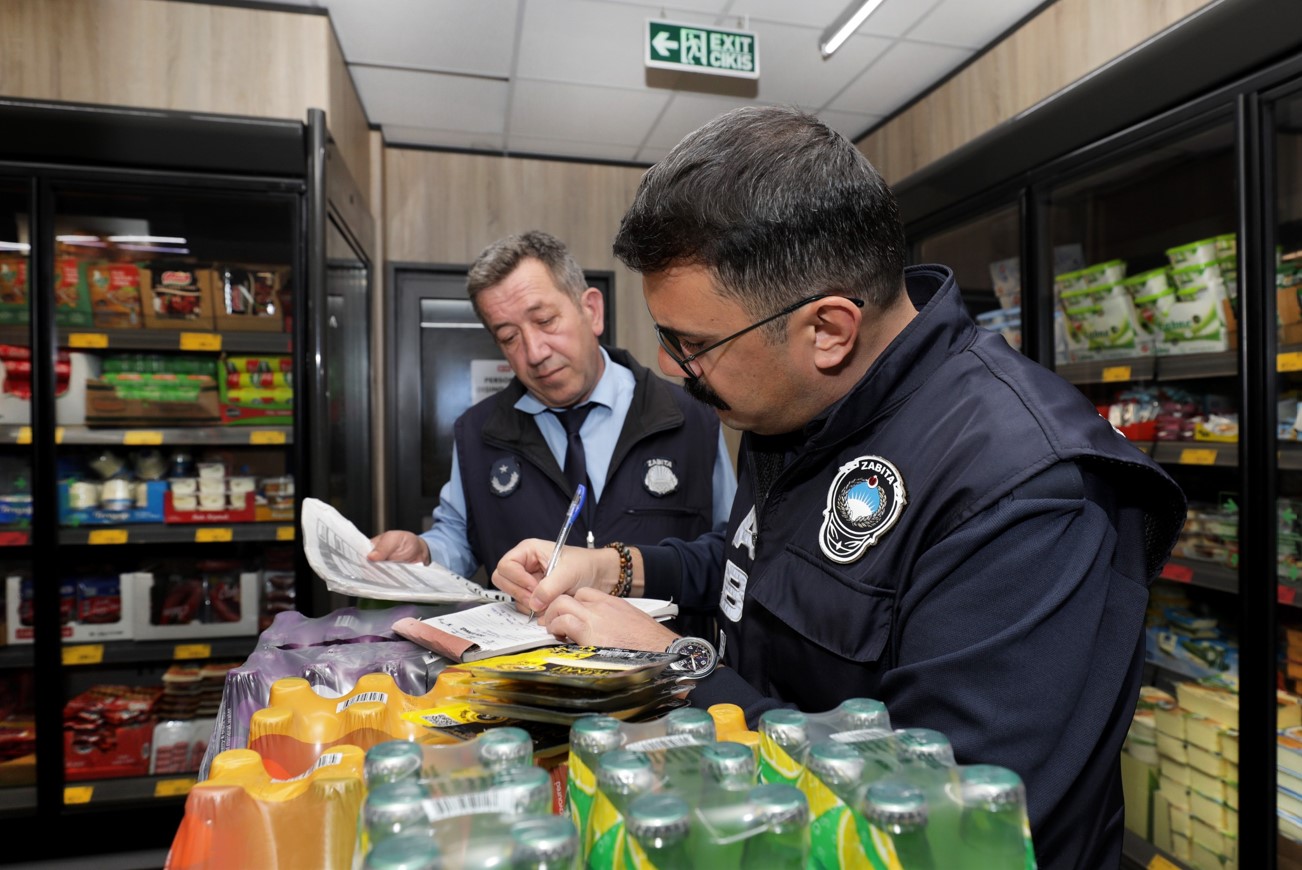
x,y
143,860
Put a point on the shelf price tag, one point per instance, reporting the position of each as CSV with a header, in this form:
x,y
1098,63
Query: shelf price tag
x,y
88,340
1197,456
266,436
285,533
84,654
1112,374
1289,362
142,437
172,787
107,536
213,536
192,651
77,794
1157,862
200,341
23,435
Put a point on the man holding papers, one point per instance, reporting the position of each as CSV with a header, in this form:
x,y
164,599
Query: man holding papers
x,y
653,461
925,516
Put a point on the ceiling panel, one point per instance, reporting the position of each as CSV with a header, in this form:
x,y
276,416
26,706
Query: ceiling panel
x,y
447,102
396,134
583,113
793,71
851,125
685,113
589,41
960,22
672,9
811,13
571,148
448,35
902,73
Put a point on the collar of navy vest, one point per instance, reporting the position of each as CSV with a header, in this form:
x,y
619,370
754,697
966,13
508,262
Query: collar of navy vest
x,y
941,329
652,410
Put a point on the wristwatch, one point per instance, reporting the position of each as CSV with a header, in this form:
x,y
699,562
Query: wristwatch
x,y
698,657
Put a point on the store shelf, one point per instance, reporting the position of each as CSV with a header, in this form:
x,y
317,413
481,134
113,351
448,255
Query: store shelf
x,y
143,652
159,339
1107,371
1136,852
216,436
170,788
1208,575
1290,457
18,798
1173,367
1183,366
1209,453
181,533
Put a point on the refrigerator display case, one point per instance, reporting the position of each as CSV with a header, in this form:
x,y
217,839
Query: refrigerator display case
x,y
1160,276
153,453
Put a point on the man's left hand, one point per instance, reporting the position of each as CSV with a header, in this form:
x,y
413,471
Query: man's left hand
x,y
592,618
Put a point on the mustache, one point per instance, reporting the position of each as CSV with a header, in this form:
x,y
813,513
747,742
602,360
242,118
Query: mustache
x,y
701,392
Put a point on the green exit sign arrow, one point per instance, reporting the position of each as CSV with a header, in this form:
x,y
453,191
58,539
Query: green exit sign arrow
x,y
709,50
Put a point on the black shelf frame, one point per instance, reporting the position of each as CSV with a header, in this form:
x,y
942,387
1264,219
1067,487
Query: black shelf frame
x,y
1023,161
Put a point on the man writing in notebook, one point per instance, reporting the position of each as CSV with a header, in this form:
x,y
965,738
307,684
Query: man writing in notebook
x,y
924,516
653,461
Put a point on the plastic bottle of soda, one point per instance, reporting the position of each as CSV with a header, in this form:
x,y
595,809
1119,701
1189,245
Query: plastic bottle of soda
x,y
784,740
621,777
858,713
544,843
993,829
657,829
690,721
500,748
899,812
833,772
392,809
590,738
783,844
727,773
524,790
927,762
727,776
393,761
410,851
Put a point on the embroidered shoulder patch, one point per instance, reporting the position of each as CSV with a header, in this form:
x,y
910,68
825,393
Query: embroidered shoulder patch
x,y
863,502
504,477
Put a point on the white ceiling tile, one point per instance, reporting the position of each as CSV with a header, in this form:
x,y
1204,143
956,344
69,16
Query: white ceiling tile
x,y
686,112
896,17
651,155
851,125
961,22
589,41
570,148
470,36
901,74
811,13
395,134
446,102
609,116
673,7
793,71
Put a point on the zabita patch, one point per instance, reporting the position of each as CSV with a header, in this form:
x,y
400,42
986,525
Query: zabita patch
x,y
865,499
504,476
660,479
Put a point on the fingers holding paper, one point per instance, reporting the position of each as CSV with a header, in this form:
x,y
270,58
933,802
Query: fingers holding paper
x,y
593,618
398,546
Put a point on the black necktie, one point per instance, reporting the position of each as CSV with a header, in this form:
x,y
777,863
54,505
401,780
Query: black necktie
x,y
576,461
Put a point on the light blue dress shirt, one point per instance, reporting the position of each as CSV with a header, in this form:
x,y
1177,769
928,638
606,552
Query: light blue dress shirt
x,y
446,539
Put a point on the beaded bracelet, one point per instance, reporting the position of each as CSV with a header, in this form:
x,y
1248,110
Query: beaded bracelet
x,y
625,583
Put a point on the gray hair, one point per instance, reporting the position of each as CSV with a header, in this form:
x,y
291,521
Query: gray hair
x,y
503,256
777,205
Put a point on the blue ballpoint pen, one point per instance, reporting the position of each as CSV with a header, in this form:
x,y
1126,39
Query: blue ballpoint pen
x,y
570,516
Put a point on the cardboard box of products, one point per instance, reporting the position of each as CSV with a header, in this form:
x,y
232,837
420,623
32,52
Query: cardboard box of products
x,y
177,296
248,298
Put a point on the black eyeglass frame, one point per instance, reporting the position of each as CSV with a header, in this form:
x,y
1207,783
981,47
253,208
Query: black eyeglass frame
x,y
671,345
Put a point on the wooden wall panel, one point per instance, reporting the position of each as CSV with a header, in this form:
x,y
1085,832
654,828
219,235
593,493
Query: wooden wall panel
x,y
347,120
1061,45
445,208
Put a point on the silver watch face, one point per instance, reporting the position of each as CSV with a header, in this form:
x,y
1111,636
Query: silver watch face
x,y
698,656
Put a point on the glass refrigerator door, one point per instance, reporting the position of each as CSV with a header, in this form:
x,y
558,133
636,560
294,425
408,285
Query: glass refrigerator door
x,y
17,684
1146,314
175,466
1288,288
984,254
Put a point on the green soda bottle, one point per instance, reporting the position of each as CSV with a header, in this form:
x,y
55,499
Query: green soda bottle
x,y
855,714
590,738
898,812
658,826
727,776
690,721
524,790
500,748
621,777
392,809
927,762
544,843
410,851
393,761
727,772
833,772
783,844
688,730
994,829
784,740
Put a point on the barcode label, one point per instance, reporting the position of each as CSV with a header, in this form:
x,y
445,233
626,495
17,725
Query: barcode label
x,y
669,741
494,800
382,697
328,760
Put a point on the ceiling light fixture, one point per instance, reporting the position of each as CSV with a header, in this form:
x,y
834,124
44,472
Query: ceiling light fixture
x,y
846,23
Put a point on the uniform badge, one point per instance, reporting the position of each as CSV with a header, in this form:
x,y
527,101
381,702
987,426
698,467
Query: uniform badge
x,y
504,478
863,502
660,479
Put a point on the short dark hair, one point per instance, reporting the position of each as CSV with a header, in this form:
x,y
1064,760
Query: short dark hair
x,y
776,204
502,257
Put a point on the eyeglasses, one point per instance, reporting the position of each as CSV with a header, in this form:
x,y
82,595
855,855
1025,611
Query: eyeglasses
x,y
674,348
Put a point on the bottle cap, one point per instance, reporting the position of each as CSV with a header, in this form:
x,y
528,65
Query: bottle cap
x,y
624,772
779,804
530,788
551,838
858,713
596,734
505,747
925,746
786,727
839,766
393,761
894,804
415,851
659,816
728,761
691,721
991,787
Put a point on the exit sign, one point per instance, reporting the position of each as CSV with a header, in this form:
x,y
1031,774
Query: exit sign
x,y
688,48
